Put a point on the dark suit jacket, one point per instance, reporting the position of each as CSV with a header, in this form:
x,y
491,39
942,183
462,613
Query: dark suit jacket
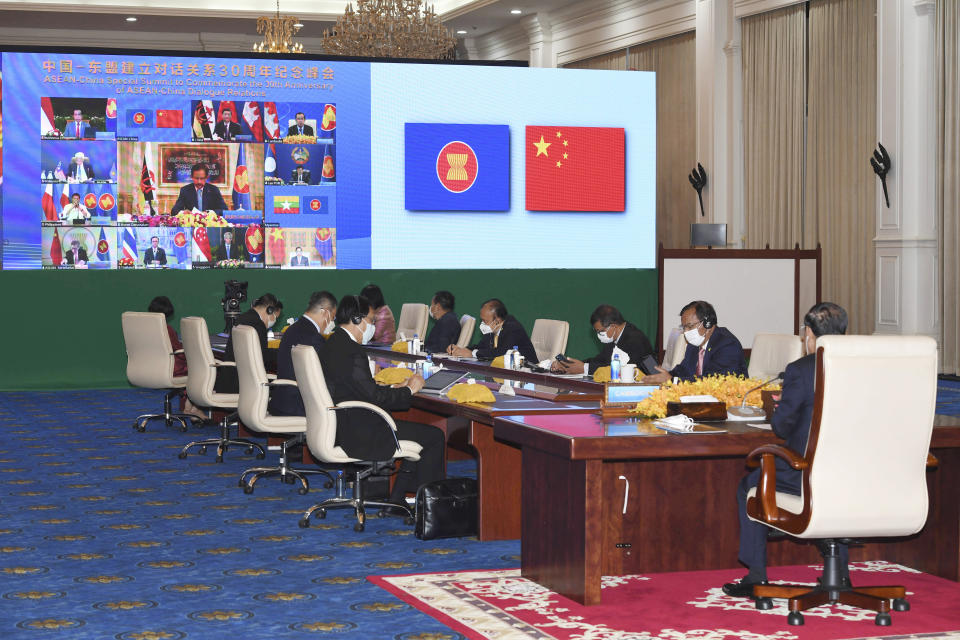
x,y
236,251
81,255
304,178
444,333
724,355
227,380
304,261
87,167
632,340
187,200
161,257
69,131
284,400
361,433
307,130
791,420
512,334
221,129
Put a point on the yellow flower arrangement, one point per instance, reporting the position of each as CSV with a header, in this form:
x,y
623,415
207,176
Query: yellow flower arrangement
x,y
393,375
728,389
400,346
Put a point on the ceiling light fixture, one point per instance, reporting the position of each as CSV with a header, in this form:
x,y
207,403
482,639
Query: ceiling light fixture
x,y
516,11
461,31
131,19
390,29
278,32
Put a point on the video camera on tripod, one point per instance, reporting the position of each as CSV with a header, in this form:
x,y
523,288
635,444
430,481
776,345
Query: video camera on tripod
x,y
235,292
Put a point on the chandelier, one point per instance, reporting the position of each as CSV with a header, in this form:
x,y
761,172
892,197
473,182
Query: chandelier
x,y
390,29
278,32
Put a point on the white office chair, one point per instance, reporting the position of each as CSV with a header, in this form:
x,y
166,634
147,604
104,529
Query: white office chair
x,y
771,353
150,364
549,337
864,470
201,378
467,325
322,436
252,407
413,321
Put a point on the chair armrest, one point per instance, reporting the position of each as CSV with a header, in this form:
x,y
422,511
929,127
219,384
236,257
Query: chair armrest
x,y
767,487
280,383
932,460
178,351
795,461
359,404
219,363
271,376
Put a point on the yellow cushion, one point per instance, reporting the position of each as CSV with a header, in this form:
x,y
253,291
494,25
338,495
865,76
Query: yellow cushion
x,y
400,346
393,375
470,393
602,374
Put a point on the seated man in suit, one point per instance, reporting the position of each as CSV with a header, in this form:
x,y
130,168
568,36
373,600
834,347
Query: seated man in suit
x,y
228,249
315,322
155,254
75,211
711,350
80,169
226,129
76,254
501,332
300,260
199,195
300,175
77,128
791,421
261,316
300,128
446,327
361,433
618,336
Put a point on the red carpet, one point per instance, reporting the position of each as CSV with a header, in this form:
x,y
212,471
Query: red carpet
x,y
501,605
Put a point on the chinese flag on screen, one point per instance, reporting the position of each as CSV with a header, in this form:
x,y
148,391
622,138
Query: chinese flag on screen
x,y
170,118
574,168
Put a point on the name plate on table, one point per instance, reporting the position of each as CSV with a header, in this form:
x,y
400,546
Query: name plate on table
x,y
698,410
619,399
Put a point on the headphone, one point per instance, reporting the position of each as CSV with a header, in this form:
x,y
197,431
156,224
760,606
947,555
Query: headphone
x,y
356,318
709,316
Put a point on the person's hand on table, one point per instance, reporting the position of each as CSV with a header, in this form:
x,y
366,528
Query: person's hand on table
x,y
660,377
571,365
414,383
463,352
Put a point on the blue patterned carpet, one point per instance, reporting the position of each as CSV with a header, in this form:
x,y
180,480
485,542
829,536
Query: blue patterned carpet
x,y
104,534
948,397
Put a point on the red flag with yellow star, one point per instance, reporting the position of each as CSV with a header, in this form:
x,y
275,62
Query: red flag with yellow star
x,y
575,168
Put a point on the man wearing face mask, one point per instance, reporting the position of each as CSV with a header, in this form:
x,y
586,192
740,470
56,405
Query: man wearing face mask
x,y
618,337
501,331
361,433
446,327
316,322
791,421
711,350
261,316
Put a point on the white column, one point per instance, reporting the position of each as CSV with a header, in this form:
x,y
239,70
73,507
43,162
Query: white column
x,y
907,259
719,113
540,32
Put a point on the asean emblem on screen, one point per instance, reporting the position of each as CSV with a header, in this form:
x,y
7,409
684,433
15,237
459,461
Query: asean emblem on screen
x,y
457,166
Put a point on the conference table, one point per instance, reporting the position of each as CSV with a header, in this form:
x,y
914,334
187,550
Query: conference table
x,y
617,496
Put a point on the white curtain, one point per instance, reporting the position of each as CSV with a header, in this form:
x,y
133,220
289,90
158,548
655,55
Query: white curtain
x,y
613,61
948,180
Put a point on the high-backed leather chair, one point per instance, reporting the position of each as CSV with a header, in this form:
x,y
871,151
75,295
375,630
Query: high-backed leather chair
x,y
252,407
322,435
467,325
201,377
674,350
864,470
413,320
150,364
771,353
549,337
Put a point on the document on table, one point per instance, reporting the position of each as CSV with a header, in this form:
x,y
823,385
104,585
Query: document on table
x,y
760,425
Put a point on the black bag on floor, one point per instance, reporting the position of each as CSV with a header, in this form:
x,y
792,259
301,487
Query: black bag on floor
x,y
447,509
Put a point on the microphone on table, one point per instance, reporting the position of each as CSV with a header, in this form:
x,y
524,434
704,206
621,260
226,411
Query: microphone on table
x,y
743,411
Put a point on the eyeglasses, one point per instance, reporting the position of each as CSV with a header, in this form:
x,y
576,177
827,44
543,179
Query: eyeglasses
x,y
688,327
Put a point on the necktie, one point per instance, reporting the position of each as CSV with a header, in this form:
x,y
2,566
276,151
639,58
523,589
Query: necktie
x,y
496,339
700,362
227,250
200,199
301,130
76,258
76,129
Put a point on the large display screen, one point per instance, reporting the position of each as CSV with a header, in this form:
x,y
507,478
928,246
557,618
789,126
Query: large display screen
x,y
143,162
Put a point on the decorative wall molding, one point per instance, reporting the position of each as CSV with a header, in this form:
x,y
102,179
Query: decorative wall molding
x,y
743,8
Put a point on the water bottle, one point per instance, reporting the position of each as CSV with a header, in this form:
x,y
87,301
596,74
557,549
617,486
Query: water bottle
x,y
428,367
615,368
508,359
515,358
416,343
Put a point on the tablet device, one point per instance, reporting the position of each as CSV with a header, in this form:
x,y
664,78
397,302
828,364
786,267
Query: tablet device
x,y
442,380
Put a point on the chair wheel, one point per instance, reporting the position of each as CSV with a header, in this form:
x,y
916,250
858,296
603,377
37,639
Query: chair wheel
x,y
883,620
795,618
261,456
359,527
302,491
183,427
168,422
248,489
321,513
304,523
182,455
328,485
287,479
248,450
409,521
901,604
764,604
203,450
383,513
219,457
241,483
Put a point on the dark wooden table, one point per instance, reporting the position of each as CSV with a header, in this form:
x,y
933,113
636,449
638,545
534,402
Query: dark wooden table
x,y
579,522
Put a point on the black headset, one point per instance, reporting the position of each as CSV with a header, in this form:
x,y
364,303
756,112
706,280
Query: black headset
x,y
270,308
356,318
709,316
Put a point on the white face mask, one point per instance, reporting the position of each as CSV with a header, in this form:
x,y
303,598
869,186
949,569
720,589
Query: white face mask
x,y
368,333
272,321
485,328
693,336
604,337
329,328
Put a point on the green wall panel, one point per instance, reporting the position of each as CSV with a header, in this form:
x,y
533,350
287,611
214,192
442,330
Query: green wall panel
x,y
62,328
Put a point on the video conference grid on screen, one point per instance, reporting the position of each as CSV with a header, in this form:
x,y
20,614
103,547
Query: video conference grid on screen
x,y
179,163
